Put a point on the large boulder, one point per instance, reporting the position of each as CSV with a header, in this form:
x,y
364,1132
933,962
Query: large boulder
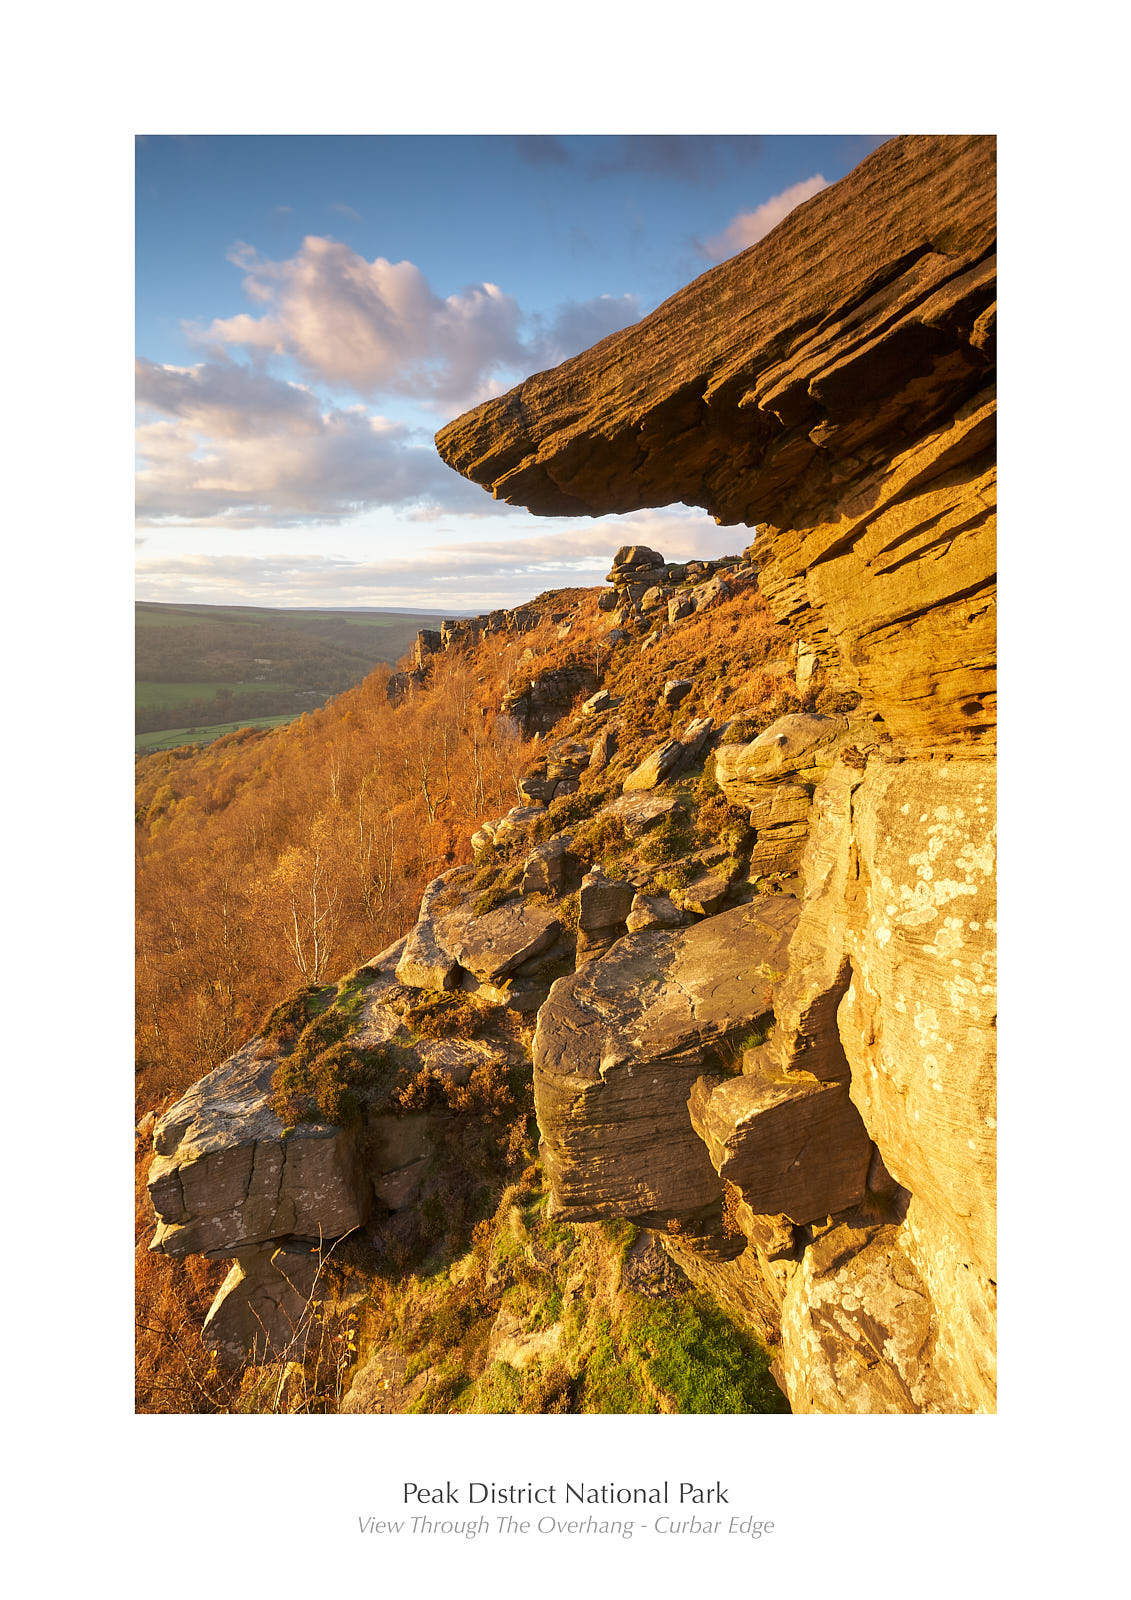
x,y
426,962
494,946
792,1144
618,1048
642,810
228,1174
918,1020
860,1331
802,743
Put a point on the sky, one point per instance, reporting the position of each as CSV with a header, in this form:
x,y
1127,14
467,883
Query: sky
x,y
311,309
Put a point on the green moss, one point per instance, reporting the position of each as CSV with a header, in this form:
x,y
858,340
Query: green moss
x,y
354,987
611,1385
601,838
497,1393
674,877
569,911
694,1353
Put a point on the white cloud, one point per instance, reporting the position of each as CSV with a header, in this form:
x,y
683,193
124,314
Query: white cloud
x,y
224,444
378,327
375,326
750,226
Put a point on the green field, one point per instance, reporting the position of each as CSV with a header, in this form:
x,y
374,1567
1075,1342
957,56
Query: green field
x,y
175,694
170,737
212,666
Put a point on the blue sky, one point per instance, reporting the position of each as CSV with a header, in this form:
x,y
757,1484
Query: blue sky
x,y
310,309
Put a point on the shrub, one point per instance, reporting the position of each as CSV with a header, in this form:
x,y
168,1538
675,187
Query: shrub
x,y
444,1014
324,1086
502,886
671,838
569,912
291,1016
601,838
837,702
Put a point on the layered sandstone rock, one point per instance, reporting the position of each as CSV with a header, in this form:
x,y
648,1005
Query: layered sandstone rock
x,y
833,383
832,386
228,1174
618,1048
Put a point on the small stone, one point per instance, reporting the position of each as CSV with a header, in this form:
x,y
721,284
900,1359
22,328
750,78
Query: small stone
x,y
676,689
605,903
653,911
596,703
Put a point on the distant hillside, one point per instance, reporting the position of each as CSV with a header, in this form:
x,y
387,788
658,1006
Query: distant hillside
x,y
201,668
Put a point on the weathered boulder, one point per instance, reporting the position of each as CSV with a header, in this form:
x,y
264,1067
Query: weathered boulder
x,y
802,743
604,747
670,757
494,946
517,820
918,1019
791,1144
550,868
228,1174
777,850
633,558
653,911
605,903
639,812
778,804
676,689
705,894
603,912
859,1328
425,962
262,1312
617,1050
545,699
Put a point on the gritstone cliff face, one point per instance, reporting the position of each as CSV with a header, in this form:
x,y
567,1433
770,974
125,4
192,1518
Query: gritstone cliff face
x,y
831,387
